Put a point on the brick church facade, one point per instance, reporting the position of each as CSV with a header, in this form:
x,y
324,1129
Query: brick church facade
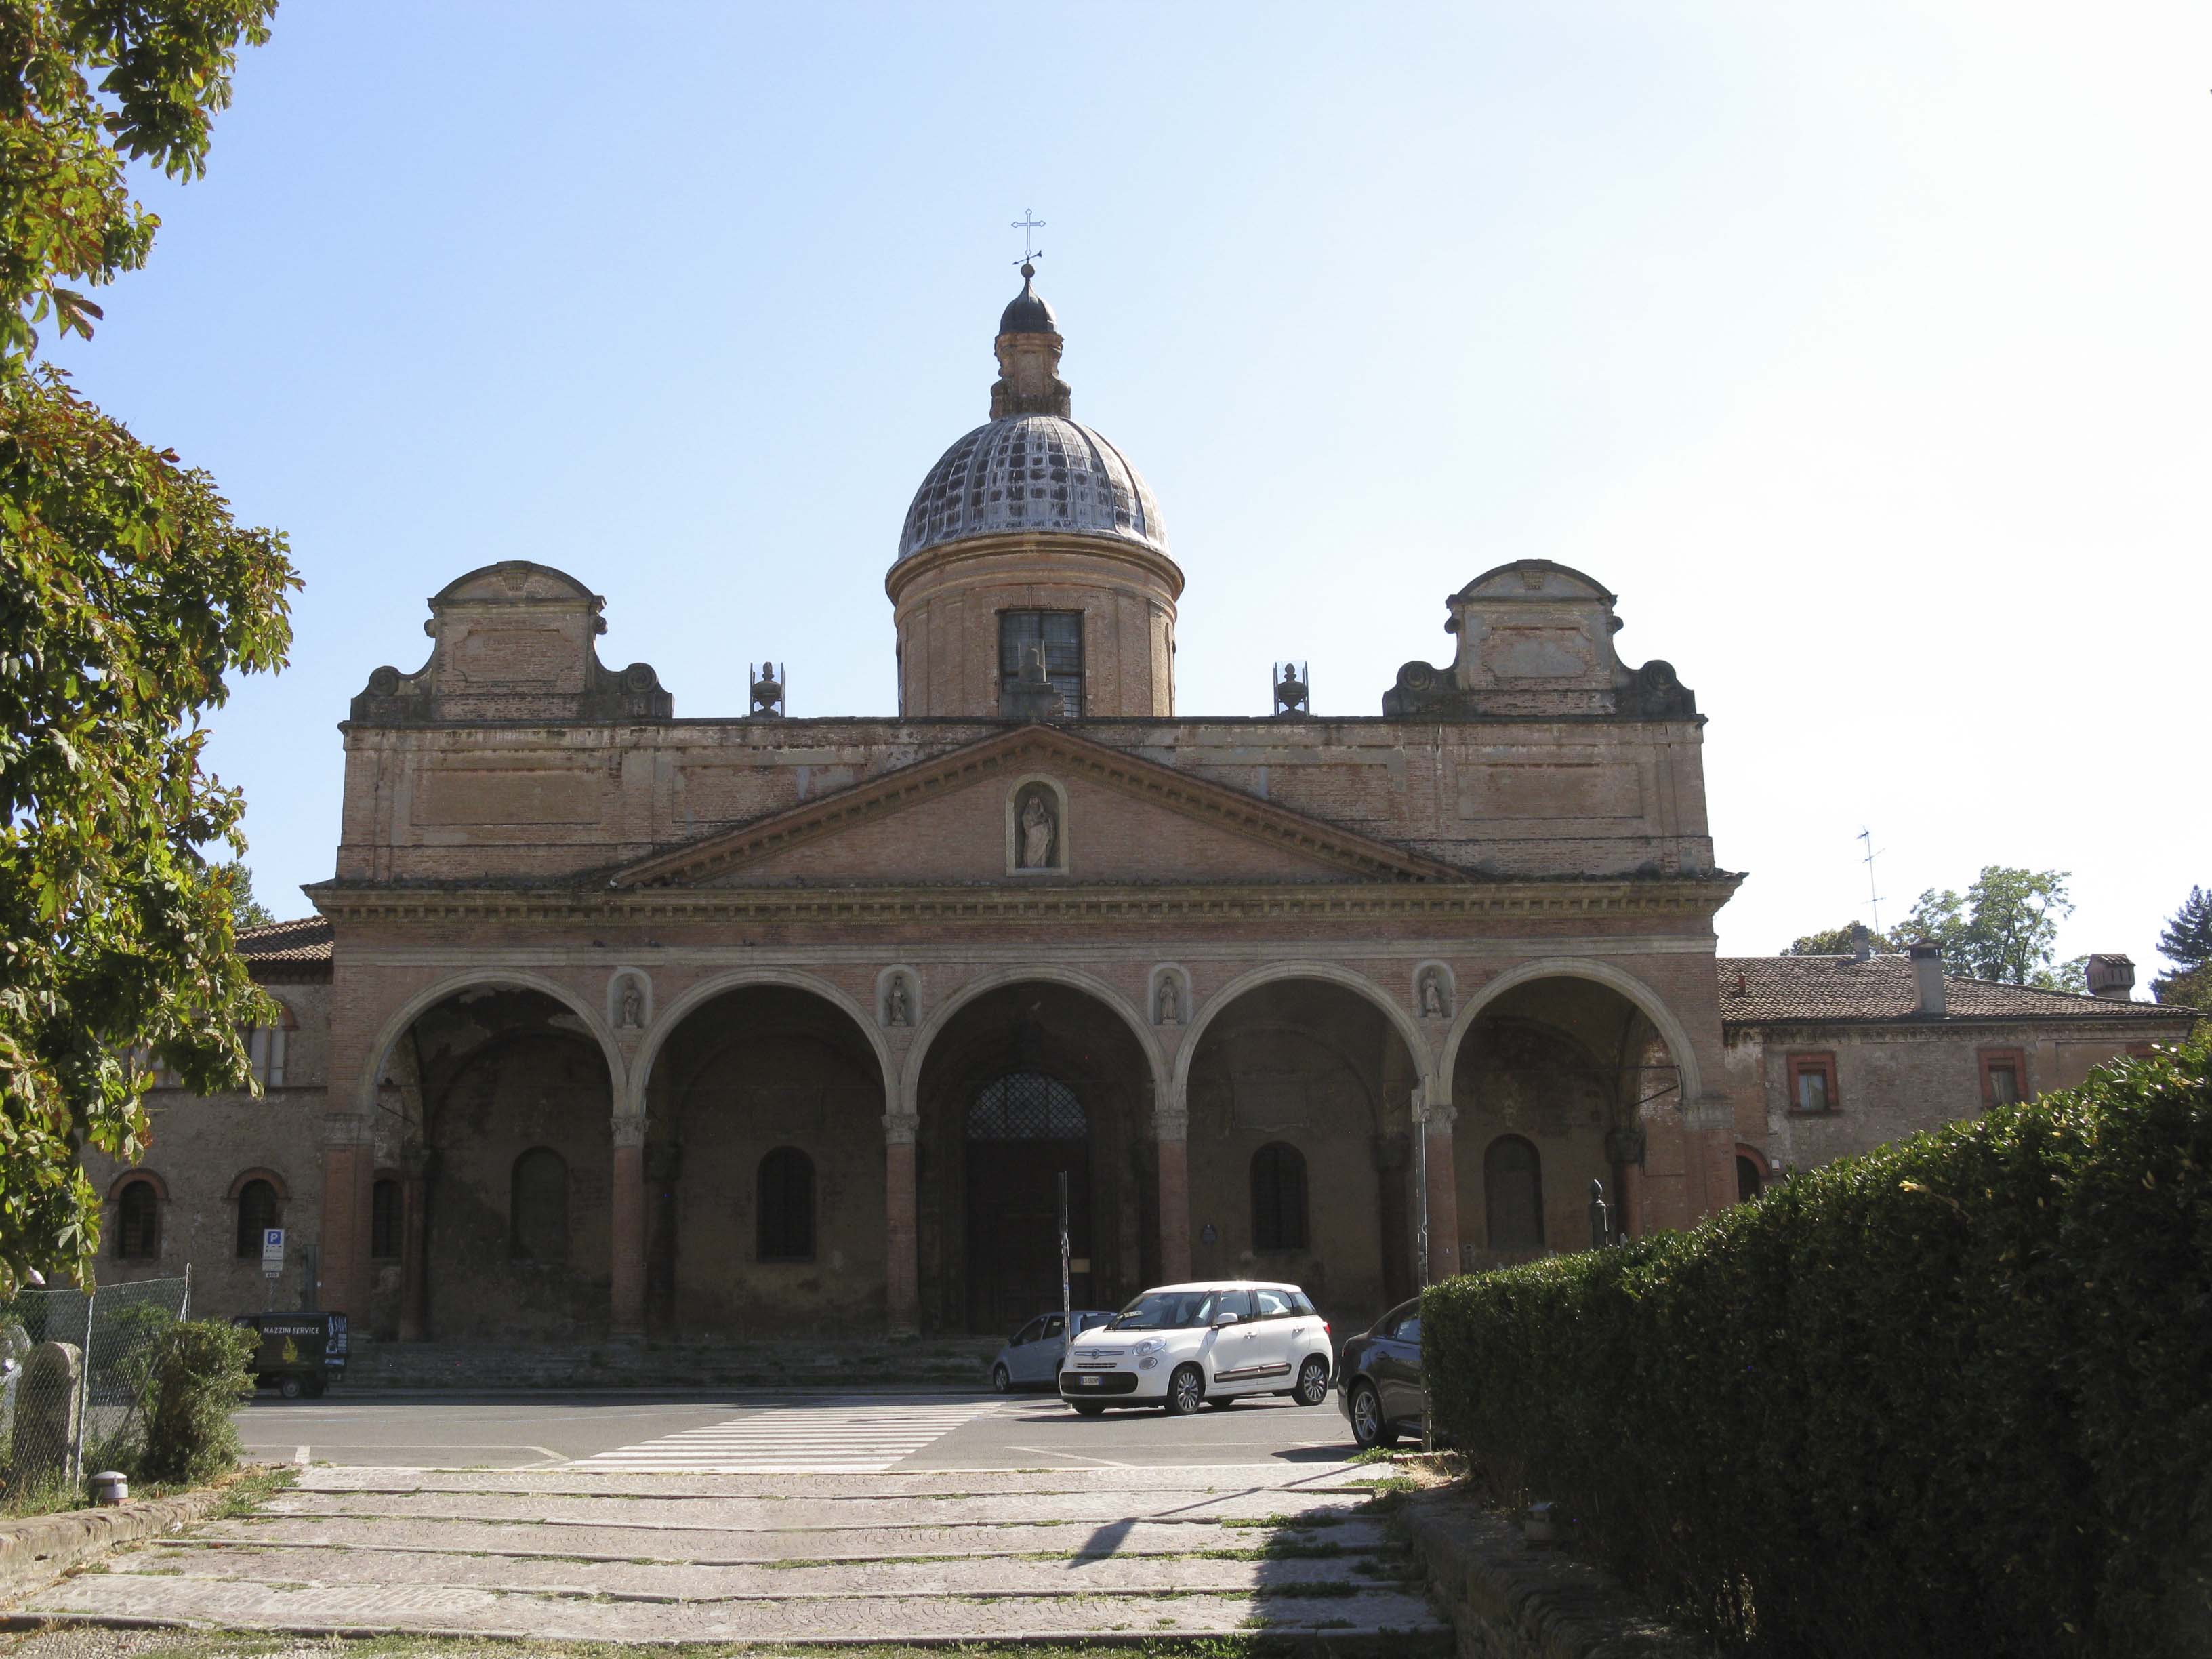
x,y
614,1022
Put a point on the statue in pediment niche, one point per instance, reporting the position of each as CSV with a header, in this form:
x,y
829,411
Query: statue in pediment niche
x,y
1036,836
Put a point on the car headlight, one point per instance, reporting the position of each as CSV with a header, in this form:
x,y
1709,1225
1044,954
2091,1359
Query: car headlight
x,y
1153,1344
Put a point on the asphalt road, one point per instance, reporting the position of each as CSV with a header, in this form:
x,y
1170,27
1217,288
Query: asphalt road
x,y
543,1431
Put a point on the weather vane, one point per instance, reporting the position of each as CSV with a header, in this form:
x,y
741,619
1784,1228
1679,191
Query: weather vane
x,y
1027,224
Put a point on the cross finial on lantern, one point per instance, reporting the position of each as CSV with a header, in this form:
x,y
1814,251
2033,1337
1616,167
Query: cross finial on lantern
x,y
1027,224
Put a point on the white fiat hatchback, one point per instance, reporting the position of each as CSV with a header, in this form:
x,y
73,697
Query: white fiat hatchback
x,y
1181,1345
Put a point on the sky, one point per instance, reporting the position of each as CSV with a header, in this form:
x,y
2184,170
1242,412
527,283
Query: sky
x,y
1862,350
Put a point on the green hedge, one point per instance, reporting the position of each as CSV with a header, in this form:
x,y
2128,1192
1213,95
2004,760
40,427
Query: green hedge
x,y
1951,1397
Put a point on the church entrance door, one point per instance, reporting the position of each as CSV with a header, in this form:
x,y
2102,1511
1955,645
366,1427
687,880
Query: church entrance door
x,y
1025,1130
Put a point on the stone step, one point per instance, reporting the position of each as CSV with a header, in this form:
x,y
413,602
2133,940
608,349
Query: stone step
x,y
1405,1620
810,1514
573,1481
1118,1574
397,1534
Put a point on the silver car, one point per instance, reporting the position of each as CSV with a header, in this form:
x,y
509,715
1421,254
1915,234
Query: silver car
x,y
1031,1356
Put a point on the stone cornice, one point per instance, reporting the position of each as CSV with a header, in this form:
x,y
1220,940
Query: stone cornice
x,y
2145,1018
897,906
1009,756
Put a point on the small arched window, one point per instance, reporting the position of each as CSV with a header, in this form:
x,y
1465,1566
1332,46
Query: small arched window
x,y
1513,1195
257,1209
785,1211
539,1210
138,1221
1278,1198
384,1219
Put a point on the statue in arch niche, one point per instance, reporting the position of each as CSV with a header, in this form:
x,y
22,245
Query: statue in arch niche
x,y
898,1006
1433,1004
1168,1009
633,1007
1036,831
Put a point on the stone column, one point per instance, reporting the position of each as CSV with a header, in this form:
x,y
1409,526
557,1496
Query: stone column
x,y
413,1266
348,1177
901,1234
1436,1129
626,1302
1171,1143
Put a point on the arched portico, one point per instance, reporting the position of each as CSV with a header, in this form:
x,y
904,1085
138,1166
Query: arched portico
x,y
1299,1090
1562,1071
1021,1081
765,1192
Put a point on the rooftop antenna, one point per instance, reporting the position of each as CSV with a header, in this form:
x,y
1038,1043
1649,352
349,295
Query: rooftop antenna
x,y
1028,224
1873,898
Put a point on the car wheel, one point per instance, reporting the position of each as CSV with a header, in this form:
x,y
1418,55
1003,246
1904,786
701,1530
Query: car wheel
x,y
290,1387
1369,1428
1313,1381
1001,1382
1185,1391
1086,1409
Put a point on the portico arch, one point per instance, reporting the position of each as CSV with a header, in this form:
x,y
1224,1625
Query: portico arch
x,y
666,1020
1022,1079
1581,1071
1407,1028
750,1076
1040,973
454,984
1297,1083
1648,1001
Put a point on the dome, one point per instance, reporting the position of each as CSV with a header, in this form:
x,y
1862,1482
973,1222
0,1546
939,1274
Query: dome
x,y
1027,312
1032,473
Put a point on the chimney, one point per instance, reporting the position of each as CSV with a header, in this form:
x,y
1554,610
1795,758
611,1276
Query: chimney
x,y
2112,976
1928,975
1862,942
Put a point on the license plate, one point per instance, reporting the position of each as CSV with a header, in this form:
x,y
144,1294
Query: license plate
x,y
1089,1382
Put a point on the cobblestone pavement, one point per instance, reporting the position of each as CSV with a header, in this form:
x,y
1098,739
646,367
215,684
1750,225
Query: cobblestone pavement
x,y
583,1554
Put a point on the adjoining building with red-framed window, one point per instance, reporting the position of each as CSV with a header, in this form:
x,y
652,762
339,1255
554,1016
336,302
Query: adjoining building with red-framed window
x,y
1841,1054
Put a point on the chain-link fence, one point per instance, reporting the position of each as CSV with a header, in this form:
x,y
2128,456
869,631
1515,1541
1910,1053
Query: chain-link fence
x,y
75,1366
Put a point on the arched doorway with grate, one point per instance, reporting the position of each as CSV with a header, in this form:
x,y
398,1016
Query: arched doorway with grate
x,y
1024,1084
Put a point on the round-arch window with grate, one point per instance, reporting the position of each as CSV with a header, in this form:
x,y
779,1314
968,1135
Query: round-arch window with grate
x,y
1026,1106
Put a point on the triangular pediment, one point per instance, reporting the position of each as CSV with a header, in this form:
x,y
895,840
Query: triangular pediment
x,y
1107,817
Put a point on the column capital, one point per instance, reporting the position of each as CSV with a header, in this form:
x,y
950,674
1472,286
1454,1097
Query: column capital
x,y
1170,1124
901,1128
628,1128
1438,1118
347,1129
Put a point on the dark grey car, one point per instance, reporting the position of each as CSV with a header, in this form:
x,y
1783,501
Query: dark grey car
x,y
1379,1378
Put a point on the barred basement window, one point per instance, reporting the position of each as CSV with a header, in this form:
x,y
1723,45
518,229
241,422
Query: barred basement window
x,y
257,1210
786,1217
538,1209
1278,1198
1061,633
383,1220
1026,1106
1513,1195
139,1222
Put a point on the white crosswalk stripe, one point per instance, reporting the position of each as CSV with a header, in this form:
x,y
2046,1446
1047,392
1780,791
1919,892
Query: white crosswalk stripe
x,y
830,1438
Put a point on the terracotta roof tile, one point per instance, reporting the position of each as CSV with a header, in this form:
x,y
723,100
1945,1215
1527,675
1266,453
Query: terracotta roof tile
x,y
307,939
1756,990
